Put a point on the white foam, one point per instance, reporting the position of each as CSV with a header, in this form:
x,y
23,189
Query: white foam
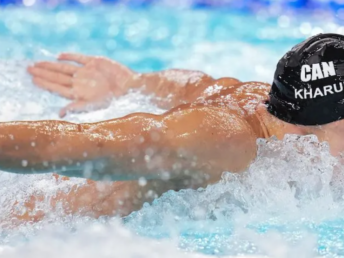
x,y
94,240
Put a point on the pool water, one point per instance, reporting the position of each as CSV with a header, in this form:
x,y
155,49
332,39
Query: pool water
x,y
289,203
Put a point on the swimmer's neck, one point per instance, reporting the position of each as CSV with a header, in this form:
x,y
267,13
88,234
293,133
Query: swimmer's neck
x,y
272,126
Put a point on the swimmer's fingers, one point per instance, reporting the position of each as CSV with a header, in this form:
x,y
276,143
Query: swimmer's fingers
x,y
54,87
78,58
67,69
75,107
50,76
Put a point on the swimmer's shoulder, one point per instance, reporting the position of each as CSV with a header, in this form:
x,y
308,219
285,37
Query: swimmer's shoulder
x,y
241,99
243,89
233,90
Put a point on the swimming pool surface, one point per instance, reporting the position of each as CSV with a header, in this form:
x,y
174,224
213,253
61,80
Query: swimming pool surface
x,y
287,204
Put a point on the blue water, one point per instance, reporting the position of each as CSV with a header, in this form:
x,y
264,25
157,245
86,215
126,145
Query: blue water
x,y
287,204
144,39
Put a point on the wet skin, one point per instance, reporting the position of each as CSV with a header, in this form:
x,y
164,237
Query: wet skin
x,y
211,127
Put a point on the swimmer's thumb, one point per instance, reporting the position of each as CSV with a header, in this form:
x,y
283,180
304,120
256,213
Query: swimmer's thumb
x,y
74,107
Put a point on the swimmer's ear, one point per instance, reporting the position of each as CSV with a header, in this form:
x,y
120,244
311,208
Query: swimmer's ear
x,y
75,107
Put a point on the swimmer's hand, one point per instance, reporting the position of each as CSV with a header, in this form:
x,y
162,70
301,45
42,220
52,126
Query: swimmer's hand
x,y
90,82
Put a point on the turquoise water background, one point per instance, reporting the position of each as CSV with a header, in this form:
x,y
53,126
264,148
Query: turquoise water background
x,y
148,39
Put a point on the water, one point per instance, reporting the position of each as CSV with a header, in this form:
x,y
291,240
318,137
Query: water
x,y
288,203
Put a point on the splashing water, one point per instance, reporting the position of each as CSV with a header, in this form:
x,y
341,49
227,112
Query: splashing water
x,y
287,196
285,204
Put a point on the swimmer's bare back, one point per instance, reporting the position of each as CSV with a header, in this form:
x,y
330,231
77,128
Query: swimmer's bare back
x,y
211,127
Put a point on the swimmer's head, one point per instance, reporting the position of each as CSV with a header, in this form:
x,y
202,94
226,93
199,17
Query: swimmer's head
x,y
308,86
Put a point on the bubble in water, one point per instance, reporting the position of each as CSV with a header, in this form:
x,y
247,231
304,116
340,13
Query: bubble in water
x,y
24,163
142,181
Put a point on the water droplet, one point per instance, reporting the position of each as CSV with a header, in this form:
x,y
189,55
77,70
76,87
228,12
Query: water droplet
x,y
142,181
24,163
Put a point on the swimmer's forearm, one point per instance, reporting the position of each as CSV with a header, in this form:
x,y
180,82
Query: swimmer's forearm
x,y
111,149
117,150
175,87
171,87
50,146
33,147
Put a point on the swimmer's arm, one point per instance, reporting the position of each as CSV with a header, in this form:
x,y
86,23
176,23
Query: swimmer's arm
x,y
171,87
199,142
175,87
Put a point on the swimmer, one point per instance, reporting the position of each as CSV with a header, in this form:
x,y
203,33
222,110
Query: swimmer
x,y
212,126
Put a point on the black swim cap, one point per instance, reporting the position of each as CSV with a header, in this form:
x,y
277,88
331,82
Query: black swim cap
x,y
308,86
